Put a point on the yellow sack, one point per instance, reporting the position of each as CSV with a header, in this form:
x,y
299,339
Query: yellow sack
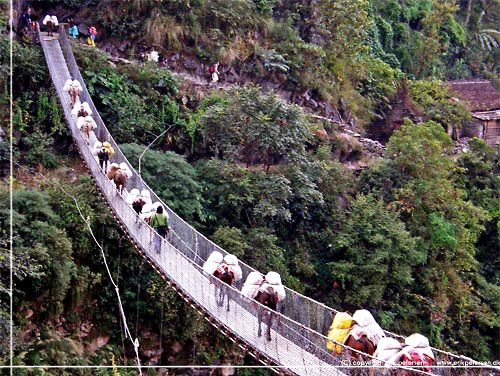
x,y
339,330
108,146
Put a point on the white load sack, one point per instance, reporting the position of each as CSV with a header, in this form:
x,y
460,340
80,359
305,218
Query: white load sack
x,y
77,85
134,192
86,107
68,82
46,19
233,266
125,169
79,122
78,106
274,280
90,120
363,317
76,109
387,348
132,196
147,211
213,262
252,284
365,320
97,147
86,120
146,196
72,84
420,343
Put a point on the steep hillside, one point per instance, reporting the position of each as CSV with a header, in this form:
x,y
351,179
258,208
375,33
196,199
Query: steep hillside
x,y
414,237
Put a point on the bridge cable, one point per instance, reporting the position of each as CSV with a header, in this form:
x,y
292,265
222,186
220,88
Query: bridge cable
x,y
122,330
161,320
135,342
138,297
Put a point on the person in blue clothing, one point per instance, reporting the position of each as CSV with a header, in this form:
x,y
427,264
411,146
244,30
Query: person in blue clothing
x,y
26,25
73,29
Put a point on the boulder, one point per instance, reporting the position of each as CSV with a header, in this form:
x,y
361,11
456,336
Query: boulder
x,y
123,46
176,348
97,343
29,313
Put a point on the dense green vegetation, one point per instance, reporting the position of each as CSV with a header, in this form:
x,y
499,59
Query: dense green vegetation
x,y
414,238
351,53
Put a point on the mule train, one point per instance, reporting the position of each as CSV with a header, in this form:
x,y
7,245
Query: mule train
x,y
224,268
359,333
266,290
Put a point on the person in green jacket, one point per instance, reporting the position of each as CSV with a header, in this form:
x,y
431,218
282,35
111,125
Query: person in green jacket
x,y
159,222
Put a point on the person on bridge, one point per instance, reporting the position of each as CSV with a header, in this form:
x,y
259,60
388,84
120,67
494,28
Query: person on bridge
x,y
50,22
103,156
159,222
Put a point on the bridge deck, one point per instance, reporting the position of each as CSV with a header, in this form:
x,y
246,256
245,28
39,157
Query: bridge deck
x,y
289,343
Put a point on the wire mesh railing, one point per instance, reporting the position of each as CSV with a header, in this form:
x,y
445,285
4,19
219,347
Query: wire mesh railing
x,y
298,333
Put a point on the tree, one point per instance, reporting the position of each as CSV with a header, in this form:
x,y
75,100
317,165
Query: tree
x,y
245,126
437,104
43,261
373,256
342,25
172,178
479,177
447,226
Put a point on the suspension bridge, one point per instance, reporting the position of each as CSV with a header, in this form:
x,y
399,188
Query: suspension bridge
x,y
298,344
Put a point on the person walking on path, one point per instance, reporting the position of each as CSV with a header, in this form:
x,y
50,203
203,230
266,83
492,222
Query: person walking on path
x,y
26,25
73,29
92,36
159,222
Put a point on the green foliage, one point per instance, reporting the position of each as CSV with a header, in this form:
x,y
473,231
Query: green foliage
x,y
343,26
258,247
4,19
43,257
265,7
38,147
416,147
133,104
243,197
478,175
252,128
373,256
232,240
273,61
447,225
30,74
178,185
438,104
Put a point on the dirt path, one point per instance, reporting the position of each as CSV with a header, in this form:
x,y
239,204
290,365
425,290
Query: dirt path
x,y
373,148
